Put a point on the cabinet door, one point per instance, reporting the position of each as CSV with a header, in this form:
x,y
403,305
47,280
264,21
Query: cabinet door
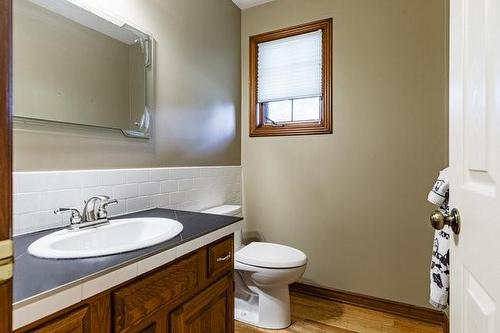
x,y
209,312
73,322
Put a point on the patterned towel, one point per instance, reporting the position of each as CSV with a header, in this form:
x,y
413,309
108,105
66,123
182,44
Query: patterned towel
x,y
440,270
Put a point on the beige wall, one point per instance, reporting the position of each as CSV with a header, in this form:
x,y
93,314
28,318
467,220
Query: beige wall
x,y
197,96
355,201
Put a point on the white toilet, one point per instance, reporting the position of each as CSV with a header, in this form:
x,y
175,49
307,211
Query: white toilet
x,y
263,273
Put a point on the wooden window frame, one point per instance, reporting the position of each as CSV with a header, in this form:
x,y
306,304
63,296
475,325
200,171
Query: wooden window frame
x,y
258,127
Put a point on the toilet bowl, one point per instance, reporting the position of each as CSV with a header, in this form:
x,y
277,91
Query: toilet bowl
x,y
263,272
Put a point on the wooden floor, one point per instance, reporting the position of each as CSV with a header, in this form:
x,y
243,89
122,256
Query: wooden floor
x,y
315,315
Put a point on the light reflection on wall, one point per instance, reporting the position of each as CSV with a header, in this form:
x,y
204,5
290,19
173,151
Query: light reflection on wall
x,y
220,129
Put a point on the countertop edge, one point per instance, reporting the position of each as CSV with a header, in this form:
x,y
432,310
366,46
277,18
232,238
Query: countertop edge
x,y
41,305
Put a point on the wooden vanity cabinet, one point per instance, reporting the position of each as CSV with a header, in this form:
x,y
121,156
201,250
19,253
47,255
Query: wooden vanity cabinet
x,y
156,291
194,294
74,322
211,311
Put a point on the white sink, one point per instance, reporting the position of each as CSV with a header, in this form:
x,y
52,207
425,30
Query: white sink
x,y
118,236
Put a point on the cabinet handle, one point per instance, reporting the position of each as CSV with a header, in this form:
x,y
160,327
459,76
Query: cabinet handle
x,y
227,257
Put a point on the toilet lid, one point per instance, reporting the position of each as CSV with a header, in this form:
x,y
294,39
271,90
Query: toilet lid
x,y
270,255
231,210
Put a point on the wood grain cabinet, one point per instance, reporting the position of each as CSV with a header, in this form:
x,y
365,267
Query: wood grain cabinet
x,y
148,295
209,312
220,258
194,294
73,322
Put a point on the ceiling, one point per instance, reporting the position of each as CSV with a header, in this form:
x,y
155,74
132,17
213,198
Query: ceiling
x,y
244,4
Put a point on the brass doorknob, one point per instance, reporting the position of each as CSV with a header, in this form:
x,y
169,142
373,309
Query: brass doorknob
x,y
439,220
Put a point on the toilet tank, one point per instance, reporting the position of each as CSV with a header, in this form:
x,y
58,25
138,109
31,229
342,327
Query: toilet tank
x,y
231,210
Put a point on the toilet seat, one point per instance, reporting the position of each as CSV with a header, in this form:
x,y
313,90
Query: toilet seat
x,y
270,255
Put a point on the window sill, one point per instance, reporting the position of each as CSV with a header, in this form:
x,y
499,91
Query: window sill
x,y
289,130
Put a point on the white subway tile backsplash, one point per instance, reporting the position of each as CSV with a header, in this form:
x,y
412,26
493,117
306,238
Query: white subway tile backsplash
x,y
169,186
57,199
204,183
29,182
187,205
26,202
138,204
125,191
185,184
149,188
37,221
159,174
63,180
112,177
138,175
160,200
193,195
37,194
177,197
90,178
93,191
183,173
210,172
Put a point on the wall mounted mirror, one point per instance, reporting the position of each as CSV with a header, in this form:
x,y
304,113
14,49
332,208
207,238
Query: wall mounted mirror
x,y
75,66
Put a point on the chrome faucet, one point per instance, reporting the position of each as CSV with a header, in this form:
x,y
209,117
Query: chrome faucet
x,y
95,208
94,213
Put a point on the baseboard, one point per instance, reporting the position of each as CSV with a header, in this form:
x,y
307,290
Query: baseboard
x,y
374,303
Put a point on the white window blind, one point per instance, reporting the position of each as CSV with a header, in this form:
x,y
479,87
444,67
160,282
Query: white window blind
x,y
290,68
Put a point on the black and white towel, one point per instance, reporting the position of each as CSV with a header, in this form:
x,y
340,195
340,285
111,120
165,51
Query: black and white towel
x,y
440,271
438,195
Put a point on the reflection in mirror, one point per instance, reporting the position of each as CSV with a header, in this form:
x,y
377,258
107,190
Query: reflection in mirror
x,y
73,66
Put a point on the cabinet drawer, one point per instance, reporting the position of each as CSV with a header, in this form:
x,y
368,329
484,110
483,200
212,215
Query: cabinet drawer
x,y
141,298
220,257
73,322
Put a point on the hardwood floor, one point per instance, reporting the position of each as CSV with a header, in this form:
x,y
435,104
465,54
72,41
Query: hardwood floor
x,y
316,315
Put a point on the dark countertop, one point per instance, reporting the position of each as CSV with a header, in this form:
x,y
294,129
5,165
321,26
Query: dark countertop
x,y
33,276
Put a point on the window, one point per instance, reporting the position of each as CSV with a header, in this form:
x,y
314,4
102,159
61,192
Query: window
x,y
290,81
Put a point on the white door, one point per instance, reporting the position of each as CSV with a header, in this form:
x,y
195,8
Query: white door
x,y
475,164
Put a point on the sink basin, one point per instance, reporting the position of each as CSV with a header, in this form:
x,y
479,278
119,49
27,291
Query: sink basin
x,y
119,236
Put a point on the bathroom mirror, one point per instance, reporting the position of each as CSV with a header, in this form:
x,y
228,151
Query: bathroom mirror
x,y
74,65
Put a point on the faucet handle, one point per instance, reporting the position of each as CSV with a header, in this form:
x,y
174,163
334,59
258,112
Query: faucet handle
x,y
109,202
102,213
76,217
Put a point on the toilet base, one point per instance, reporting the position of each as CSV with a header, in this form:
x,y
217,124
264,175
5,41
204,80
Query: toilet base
x,y
267,307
